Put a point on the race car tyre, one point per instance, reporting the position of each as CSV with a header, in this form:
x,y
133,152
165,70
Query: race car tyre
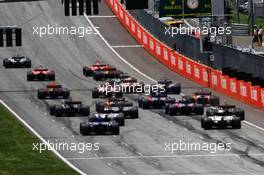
x,y
51,76
58,111
28,64
134,113
6,64
120,119
87,71
29,76
52,109
97,77
41,94
175,89
236,123
172,111
240,113
115,130
95,94
99,106
85,111
84,131
145,104
215,101
207,123
66,94
202,123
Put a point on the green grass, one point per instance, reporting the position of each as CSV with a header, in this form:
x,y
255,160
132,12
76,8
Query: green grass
x,y
16,151
244,19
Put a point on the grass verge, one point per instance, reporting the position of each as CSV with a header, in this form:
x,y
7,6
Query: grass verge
x,y
16,151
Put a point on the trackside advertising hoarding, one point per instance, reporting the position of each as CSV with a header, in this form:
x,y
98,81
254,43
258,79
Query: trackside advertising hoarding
x,y
185,8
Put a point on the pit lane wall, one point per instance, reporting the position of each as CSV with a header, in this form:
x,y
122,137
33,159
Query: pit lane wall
x,y
180,64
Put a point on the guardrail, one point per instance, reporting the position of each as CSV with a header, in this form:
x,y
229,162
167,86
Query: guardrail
x,y
199,73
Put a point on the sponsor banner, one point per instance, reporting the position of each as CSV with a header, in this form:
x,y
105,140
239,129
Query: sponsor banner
x,y
244,91
255,95
214,79
262,97
233,87
224,84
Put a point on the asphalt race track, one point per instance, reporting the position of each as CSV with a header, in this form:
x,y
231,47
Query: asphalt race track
x,y
140,147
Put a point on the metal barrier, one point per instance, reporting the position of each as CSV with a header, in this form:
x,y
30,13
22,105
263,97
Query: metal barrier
x,y
190,46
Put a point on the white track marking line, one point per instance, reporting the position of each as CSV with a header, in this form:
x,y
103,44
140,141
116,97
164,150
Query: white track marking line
x,y
42,139
133,67
128,46
109,16
164,156
115,52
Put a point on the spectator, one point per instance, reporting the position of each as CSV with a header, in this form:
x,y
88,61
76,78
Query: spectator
x,y
256,37
260,32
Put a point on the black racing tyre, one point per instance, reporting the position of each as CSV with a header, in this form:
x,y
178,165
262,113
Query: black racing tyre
x,y
29,76
236,123
52,109
120,119
41,94
172,111
207,123
95,93
85,111
58,111
51,76
6,64
99,106
240,113
119,94
28,64
167,107
115,129
134,113
202,123
84,131
87,71
66,94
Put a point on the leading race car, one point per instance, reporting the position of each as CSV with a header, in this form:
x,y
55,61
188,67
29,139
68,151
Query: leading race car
x,y
70,108
17,61
98,124
53,91
206,97
155,100
167,86
41,74
98,66
112,102
222,117
185,106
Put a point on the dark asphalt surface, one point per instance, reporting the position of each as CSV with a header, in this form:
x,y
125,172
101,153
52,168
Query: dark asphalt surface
x,y
140,147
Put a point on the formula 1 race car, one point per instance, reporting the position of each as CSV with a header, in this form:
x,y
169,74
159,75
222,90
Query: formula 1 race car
x,y
98,124
53,91
106,90
168,86
89,70
41,74
206,97
70,108
17,62
106,74
129,85
128,111
222,117
185,106
155,100
112,102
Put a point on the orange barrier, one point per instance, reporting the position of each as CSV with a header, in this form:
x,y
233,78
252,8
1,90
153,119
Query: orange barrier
x,y
186,67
